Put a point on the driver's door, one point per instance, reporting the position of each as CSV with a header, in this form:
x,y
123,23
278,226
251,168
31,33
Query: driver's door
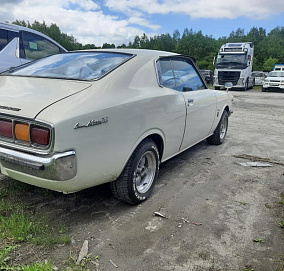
x,y
179,73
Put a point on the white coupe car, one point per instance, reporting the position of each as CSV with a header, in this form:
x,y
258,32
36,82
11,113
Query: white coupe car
x,y
79,119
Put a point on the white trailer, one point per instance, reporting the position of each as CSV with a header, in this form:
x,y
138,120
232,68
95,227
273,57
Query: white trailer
x,y
234,64
278,67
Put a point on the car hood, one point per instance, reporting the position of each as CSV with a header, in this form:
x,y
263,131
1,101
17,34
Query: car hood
x,y
28,96
275,78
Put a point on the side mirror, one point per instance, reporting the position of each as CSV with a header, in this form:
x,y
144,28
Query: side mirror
x,y
228,85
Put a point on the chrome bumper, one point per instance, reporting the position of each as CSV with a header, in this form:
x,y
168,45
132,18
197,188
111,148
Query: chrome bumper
x,y
58,167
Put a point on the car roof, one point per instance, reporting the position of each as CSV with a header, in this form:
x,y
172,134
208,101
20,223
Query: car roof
x,y
138,52
17,28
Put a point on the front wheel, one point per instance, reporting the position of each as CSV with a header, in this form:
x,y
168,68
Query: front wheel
x,y
137,180
246,86
220,132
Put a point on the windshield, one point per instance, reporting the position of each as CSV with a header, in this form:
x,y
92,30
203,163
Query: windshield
x,y
232,61
276,74
257,74
77,65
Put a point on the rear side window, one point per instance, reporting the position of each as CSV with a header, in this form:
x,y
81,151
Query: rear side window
x,y
6,36
36,47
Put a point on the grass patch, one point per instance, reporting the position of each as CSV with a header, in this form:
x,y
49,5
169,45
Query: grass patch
x,y
13,188
281,223
4,255
18,224
38,267
282,198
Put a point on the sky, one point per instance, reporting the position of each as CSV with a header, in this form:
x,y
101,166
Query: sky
x,y
119,21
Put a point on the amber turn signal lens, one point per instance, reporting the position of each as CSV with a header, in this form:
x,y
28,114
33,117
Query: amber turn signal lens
x,y
22,131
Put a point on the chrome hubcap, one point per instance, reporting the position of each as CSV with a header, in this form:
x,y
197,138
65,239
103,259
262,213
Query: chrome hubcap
x,y
223,127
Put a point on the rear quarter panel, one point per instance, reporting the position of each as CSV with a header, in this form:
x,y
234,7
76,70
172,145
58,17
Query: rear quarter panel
x,y
135,107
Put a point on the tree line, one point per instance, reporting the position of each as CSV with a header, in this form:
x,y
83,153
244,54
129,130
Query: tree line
x,y
268,47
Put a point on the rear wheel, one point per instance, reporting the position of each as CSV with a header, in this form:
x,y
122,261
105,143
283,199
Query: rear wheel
x,y
220,132
137,180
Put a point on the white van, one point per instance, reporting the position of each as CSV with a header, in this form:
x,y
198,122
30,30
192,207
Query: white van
x,y
19,45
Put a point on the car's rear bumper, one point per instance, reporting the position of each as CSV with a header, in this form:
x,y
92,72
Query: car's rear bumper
x,y
57,167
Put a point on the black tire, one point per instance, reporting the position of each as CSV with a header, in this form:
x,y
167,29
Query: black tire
x,y
263,89
136,182
246,86
220,132
217,88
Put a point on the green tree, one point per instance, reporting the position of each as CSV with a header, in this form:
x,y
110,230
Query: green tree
x,y
108,46
269,63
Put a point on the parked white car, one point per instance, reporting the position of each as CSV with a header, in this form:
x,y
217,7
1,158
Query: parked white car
x,y
259,77
80,119
19,45
274,81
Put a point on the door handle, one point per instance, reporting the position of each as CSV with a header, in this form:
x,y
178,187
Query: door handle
x,y
190,101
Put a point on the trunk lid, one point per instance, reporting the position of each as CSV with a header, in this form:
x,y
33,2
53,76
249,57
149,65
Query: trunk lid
x,y
28,96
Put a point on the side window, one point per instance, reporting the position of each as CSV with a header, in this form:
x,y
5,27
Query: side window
x,y
166,74
3,38
37,47
6,36
187,78
179,74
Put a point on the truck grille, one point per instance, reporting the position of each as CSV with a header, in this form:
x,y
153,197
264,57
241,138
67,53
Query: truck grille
x,y
228,76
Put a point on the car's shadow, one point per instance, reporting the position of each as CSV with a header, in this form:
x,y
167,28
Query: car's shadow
x,y
77,207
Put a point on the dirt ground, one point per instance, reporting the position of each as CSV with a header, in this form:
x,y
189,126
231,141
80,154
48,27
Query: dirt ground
x,y
215,209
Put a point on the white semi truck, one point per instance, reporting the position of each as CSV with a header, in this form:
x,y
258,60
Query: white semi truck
x,y
234,64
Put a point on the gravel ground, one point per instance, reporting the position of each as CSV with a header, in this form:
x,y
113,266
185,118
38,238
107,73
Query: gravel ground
x,y
214,208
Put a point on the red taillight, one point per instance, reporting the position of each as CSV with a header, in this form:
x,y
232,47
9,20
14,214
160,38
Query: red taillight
x,y
6,128
40,135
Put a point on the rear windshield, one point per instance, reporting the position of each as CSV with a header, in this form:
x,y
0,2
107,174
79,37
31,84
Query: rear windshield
x,y
77,65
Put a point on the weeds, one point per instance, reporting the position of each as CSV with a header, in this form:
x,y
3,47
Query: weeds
x,y
21,225
74,266
248,268
39,267
4,254
5,257
282,198
14,187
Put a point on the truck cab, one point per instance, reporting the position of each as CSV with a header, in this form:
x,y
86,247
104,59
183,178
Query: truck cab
x,y
234,64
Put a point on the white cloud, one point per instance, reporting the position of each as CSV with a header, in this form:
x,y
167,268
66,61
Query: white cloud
x,y
87,22
203,8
